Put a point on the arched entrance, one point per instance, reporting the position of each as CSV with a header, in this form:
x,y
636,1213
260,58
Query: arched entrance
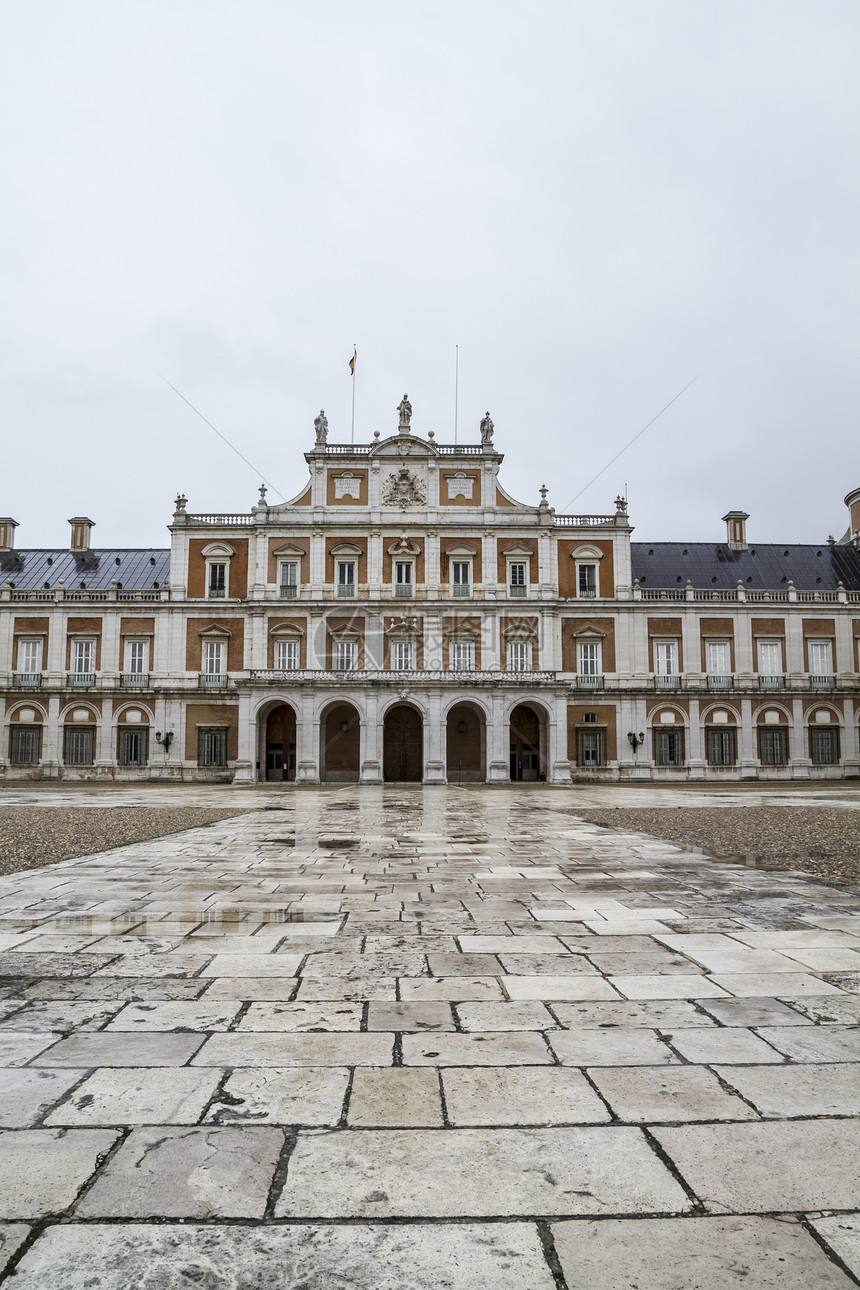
x,y
340,744
466,745
403,744
279,744
528,750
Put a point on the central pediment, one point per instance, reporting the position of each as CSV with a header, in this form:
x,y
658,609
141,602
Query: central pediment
x,y
404,445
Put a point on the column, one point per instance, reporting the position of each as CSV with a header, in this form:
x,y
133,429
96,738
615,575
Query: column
x,y
307,740
371,741
695,751
434,741
747,742
498,743
850,742
800,761
559,763
246,759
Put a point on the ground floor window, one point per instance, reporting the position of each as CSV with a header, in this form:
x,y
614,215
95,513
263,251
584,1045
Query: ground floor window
x,y
824,747
79,745
211,746
591,747
773,747
668,747
25,745
721,747
132,746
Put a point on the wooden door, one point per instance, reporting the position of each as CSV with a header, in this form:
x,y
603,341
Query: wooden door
x,y
403,745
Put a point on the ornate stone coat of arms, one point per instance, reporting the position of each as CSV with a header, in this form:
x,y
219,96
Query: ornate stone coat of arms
x,y
403,489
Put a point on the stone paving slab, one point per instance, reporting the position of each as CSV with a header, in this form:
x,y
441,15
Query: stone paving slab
x,y
12,1237
468,1256
420,1173
479,1009
693,1254
761,1168
842,1234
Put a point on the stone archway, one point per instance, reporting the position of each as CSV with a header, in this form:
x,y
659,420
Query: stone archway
x,y
340,744
528,756
466,745
403,745
279,745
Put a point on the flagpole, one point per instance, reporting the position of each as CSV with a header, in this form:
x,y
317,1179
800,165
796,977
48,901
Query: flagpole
x,y
352,421
456,386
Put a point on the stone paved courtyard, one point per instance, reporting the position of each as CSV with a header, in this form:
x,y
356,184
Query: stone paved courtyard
x,y
406,1039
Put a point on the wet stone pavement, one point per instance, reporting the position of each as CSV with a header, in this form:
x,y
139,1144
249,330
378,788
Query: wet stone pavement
x,y
398,1039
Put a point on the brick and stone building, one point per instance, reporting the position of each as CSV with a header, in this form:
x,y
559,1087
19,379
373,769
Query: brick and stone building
x,y
405,618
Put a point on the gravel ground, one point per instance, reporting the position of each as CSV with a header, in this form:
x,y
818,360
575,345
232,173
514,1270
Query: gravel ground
x,y
31,837
817,840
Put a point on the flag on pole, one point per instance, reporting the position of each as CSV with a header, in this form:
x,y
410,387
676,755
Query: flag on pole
x,y
352,361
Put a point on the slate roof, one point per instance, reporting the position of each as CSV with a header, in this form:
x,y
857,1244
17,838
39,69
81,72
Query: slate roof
x,y
765,566
140,570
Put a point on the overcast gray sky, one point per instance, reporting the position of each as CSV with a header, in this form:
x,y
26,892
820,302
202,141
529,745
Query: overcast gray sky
x,y
596,201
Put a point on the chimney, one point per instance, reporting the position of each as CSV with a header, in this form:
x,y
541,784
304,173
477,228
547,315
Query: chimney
x,y
736,530
81,533
7,532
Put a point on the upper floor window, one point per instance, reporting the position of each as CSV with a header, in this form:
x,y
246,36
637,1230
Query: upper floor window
x,y
666,658
517,583
519,656
345,656
214,657
286,655
136,659
346,577
587,581
288,579
29,657
404,576
718,658
461,577
216,584
589,658
83,657
770,658
461,656
403,656
820,658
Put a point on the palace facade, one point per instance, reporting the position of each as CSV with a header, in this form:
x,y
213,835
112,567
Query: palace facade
x,y
405,618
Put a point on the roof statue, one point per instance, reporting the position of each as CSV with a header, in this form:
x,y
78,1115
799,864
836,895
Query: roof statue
x,y
404,409
321,428
486,430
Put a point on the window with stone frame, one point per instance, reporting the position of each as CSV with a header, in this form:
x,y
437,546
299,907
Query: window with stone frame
x,y
286,655
403,655
216,579
288,579
79,745
591,746
132,745
519,656
344,655
30,656
211,746
773,745
25,744
668,746
721,745
718,657
820,657
589,658
824,745
461,656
